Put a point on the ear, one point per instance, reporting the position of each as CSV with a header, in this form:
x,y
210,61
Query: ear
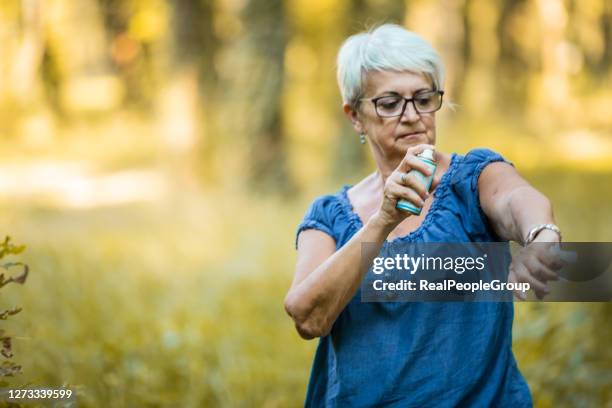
x,y
353,116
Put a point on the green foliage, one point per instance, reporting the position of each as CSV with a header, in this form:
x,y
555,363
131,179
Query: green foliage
x,y
162,307
7,248
7,367
562,351
181,305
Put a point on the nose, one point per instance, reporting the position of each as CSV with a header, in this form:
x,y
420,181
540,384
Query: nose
x,y
410,114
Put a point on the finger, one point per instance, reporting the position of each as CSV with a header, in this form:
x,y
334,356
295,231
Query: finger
x,y
520,295
412,181
399,192
415,150
524,275
541,271
410,162
549,258
436,156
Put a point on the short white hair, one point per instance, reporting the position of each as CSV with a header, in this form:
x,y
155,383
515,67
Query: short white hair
x,y
388,47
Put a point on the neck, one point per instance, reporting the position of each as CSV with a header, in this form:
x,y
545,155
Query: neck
x,y
381,176
385,169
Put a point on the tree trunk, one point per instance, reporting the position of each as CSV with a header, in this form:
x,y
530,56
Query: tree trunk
x,y
351,156
190,89
259,94
514,70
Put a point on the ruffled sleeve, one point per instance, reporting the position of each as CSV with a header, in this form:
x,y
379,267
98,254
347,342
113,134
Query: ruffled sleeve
x,y
465,186
322,215
478,159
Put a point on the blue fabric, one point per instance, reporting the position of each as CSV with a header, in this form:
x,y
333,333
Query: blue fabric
x,y
435,354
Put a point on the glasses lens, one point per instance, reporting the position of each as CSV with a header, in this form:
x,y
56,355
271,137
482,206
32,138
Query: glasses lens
x,y
389,106
428,102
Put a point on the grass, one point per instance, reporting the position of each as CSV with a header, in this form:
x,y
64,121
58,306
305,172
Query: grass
x,y
179,303
133,307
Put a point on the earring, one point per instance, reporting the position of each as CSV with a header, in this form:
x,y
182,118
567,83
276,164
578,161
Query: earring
x,y
362,138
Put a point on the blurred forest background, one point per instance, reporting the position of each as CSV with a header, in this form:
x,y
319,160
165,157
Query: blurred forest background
x,y
156,157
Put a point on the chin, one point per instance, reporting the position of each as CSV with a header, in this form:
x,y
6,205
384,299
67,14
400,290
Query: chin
x,y
413,140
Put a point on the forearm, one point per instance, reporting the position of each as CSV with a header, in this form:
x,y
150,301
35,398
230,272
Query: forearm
x,y
315,303
525,208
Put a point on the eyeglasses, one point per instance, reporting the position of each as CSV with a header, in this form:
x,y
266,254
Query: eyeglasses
x,y
389,106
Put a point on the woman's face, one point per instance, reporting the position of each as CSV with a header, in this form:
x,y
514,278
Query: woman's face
x,y
390,137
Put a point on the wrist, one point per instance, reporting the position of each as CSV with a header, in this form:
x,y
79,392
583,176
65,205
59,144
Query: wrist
x,y
380,225
547,236
543,233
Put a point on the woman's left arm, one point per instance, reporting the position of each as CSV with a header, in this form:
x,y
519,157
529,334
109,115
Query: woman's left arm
x,y
513,208
511,204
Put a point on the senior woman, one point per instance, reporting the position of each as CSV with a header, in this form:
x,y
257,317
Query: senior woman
x,y
413,354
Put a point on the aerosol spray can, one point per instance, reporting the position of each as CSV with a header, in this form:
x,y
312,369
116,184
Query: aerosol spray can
x,y
426,157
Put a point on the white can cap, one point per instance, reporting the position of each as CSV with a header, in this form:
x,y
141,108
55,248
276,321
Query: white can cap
x,y
427,154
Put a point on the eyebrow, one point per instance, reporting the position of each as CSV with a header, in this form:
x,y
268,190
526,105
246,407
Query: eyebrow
x,y
393,93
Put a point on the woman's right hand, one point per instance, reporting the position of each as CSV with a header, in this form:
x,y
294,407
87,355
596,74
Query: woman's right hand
x,y
403,186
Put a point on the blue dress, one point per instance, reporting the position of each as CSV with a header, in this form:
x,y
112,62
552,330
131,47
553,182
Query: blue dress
x,y
427,354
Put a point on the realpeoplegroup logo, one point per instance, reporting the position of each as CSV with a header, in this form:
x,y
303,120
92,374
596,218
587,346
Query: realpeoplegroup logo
x,y
450,284
409,272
